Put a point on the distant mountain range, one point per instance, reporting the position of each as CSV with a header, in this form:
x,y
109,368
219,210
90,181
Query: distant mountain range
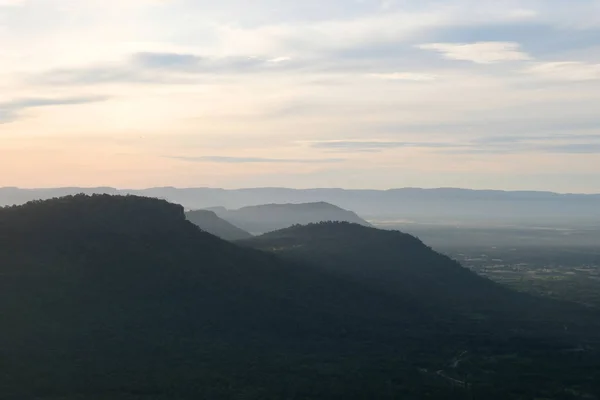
x,y
210,222
271,217
121,297
426,205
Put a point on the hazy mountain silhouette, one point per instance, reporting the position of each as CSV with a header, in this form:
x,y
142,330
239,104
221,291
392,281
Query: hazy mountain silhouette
x,y
108,297
270,217
209,221
430,205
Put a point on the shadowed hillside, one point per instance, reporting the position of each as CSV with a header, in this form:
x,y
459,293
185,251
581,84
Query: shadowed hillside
x,y
209,221
121,298
401,264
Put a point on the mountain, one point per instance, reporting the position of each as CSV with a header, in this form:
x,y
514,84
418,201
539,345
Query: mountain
x,y
109,297
270,217
422,205
120,297
209,221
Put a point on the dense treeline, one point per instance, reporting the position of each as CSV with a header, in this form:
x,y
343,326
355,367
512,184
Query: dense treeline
x,y
121,298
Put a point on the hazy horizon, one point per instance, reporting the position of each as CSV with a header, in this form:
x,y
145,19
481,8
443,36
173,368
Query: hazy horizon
x,y
377,93
293,188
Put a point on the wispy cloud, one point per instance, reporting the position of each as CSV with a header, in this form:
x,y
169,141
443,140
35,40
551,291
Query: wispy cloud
x,y
556,144
567,71
479,52
148,67
45,101
9,110
572,148
357,145
405,76
167,60
198,64
103,74
507,139
257,160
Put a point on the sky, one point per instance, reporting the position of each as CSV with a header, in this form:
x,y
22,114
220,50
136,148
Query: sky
x,y
481,94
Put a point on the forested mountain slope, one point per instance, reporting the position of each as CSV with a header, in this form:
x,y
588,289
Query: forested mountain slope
x,y
400,264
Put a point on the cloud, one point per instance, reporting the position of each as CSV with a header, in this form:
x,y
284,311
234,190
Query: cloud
x,y
566,70
153,67
278,60
518,147
405,76
572,148
167,60
397,22
104,74
357,145
196,64
46,101
479,52
542,38
10,110
537,138
7,116
257,160
554,144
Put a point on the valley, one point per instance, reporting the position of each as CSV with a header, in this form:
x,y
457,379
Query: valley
x,y
557,262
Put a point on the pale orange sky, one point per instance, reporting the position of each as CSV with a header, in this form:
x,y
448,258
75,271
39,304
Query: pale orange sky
x,y
357,94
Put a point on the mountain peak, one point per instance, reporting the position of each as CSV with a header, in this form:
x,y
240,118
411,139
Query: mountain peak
x,y
271,217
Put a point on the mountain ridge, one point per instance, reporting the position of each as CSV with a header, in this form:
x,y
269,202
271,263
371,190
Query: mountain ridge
x,y
443,204
84,189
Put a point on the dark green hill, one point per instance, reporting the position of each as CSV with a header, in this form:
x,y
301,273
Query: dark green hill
x,y
271,217
389,260
107,297
402,266
209,221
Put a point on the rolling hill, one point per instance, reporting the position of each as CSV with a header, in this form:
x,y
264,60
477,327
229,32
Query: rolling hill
x,y
106,297
209,222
